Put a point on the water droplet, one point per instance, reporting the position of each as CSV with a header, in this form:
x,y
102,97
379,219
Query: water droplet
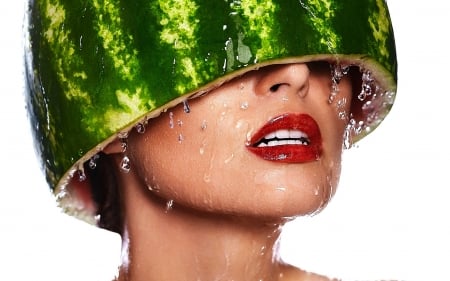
x,y
244,105
263,252
332,97
342,115
180,138
122,135
228,160
125,165
367,85
93,161
81,175
171,124
81,42
203,147
348,132
186,107
338,71
169,205
124,144
248,137
317,191
123,140
180,123
281,156
204,125
140,128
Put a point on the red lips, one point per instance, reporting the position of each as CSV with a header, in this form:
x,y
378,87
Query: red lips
x,y
288,138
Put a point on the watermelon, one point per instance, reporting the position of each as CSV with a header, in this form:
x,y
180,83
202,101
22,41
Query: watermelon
x,y
96,68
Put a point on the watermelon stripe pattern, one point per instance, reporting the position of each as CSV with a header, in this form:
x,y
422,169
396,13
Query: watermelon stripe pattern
x,y
97,67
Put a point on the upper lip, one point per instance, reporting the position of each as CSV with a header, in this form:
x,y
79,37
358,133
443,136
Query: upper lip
x,y
289,138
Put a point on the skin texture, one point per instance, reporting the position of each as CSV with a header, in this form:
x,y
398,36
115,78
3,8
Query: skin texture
x,y
199,205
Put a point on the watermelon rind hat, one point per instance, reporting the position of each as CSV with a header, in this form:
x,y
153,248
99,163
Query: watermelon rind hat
x,y
96,69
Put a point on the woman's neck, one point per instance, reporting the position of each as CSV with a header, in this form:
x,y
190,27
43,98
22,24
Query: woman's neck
x,y
180,244
170,242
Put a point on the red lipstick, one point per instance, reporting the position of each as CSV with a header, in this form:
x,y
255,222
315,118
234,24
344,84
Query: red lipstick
x,y
288,138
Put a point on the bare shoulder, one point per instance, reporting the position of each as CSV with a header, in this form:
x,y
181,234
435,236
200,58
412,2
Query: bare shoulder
x,y
291,273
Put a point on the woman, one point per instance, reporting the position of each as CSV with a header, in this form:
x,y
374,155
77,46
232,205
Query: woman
x,y
199,189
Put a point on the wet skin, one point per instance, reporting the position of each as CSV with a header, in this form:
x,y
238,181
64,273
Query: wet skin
x,y
213,142
201,204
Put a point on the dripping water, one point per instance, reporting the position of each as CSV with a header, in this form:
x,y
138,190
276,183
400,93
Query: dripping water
x,y
169,205
367,85
186,107
123,138
338,72
81,175
171,124
125,165
93,161
140,128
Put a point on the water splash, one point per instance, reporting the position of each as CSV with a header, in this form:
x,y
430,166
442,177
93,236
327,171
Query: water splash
x,y
125,165
352,129
367,85
338,72
347,138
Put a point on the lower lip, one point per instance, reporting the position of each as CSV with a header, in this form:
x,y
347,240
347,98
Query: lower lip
x,y
292,153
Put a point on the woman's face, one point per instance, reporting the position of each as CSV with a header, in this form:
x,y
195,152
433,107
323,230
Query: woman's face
x,y
267,144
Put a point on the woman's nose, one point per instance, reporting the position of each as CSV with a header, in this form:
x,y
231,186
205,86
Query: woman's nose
x,y
284,79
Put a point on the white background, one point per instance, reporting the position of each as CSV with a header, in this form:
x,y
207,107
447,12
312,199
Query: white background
x,y
389,219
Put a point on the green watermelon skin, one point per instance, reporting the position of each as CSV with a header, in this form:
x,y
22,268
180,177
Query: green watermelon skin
x,y
95,67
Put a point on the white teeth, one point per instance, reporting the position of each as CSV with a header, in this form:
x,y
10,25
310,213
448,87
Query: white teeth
x,y
270,136
286,134
282,134
284,137
297,134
